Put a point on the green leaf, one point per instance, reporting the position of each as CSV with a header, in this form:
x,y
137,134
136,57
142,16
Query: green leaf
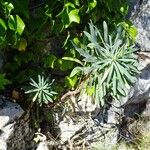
x,y
3,81
20,25
121,91
69,14
9,7
73,59
133,32
2,25
92,4
70,81
50,61
90,90
16,24
63,64
114,84
76,41
105,32
75,71
21,44
109,79
12,23
74,16
3,29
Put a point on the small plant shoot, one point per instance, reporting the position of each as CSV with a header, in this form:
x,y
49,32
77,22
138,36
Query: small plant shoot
x,y
41,91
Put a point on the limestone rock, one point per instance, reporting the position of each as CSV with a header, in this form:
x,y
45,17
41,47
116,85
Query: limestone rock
x,y
42,146
88,124
10,113
140,17
15,132
140,92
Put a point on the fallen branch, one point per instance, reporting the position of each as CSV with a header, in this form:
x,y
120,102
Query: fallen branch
x,y
69,93
75,92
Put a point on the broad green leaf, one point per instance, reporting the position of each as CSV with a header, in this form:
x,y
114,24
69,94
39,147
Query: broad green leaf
x,y
3,29
76,41
3,24
74,16
92,4
65,19
75,71
133,32
9,7
3,81
16,24
69,14
49,61
63,64
70,81
20,25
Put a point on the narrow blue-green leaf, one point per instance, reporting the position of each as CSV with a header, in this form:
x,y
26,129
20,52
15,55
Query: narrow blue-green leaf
x,y
105,32
114,84
110,73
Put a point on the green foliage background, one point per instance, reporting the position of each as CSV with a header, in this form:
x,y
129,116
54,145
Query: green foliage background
x,y
26,27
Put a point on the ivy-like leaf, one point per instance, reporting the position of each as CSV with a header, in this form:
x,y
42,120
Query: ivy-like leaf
x,y
3,81
16,24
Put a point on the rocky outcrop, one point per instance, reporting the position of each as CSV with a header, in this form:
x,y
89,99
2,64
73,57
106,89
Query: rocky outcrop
x,y
140,92
140,16
83,124
85,127
15,132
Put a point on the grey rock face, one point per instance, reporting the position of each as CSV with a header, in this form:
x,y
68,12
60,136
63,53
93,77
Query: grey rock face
x,y
10,113
42,146
140,16
136,121
140,92
88,125
15,133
